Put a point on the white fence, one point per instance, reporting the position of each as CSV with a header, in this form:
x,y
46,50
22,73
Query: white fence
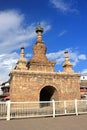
x,y
10,110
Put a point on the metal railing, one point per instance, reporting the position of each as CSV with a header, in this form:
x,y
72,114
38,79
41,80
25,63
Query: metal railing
x,y
11,110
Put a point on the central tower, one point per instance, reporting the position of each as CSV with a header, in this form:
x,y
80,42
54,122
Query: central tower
x,y
39,61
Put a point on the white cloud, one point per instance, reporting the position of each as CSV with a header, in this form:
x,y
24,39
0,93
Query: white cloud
x,y
82,57
14,32
74,56
62,33
10,20
28,55
57,56
6,62
64,5
45,25
84,72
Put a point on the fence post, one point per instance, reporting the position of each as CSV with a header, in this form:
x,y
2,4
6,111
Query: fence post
x,y
65,106
8,110
53,102
76,107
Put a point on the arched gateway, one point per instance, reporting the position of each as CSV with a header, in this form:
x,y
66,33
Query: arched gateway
x,y
47,94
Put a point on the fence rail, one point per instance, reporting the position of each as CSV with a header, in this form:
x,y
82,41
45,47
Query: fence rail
x,y
10,110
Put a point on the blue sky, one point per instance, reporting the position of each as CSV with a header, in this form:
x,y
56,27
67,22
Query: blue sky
x,y
65,28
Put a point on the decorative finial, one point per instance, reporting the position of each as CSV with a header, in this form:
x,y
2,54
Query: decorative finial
x,y
39,28
66,56
39,31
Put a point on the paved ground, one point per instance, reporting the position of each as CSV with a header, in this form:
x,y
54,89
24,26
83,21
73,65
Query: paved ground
x,y
58,123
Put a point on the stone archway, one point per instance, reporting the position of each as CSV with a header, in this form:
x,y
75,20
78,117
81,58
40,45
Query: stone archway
x,y
47,94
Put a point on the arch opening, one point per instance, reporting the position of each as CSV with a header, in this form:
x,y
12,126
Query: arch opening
x,y
47,94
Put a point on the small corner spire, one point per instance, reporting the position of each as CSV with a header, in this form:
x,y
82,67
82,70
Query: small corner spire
x,y
21,64
67,64
66,56
22,52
